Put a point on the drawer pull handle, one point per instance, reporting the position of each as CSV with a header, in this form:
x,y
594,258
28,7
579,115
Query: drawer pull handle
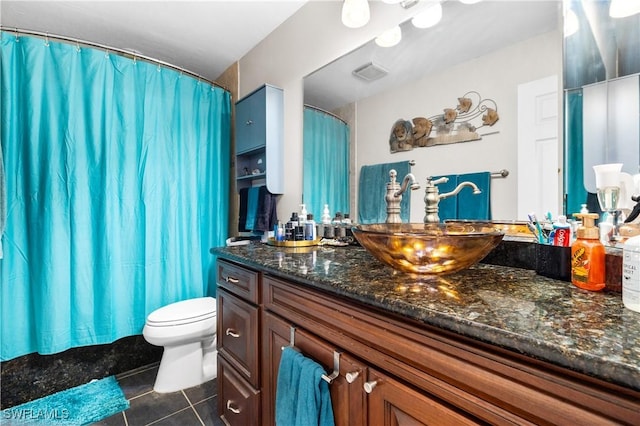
x,y
232,408
368,386
231,332
231,280
249,123
352,376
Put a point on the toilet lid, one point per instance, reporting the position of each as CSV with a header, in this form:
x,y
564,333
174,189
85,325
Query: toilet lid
x,y
182,312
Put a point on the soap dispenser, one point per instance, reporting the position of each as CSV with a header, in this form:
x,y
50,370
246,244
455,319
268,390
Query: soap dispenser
x,y
588,255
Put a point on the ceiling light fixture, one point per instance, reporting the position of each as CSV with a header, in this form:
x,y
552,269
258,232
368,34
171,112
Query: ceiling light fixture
x,y
624,8
390,38
571,23
428,17
470,1
355,13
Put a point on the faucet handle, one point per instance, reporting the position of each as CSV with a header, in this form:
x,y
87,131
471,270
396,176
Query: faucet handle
x,y
431,182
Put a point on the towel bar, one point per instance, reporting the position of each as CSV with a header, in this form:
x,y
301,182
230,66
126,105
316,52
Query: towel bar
x,y
500,174
336,357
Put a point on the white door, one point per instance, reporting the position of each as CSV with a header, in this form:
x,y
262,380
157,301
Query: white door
x,y
538,148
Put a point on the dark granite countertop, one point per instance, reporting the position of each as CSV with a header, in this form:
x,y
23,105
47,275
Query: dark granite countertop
x,y
514,308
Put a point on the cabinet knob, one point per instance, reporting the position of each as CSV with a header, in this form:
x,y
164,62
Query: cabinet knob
x,y
231,332
351,376
368,386
231,280
231,408
249,123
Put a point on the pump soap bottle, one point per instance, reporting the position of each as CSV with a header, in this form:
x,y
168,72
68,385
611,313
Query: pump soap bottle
x,y
587,255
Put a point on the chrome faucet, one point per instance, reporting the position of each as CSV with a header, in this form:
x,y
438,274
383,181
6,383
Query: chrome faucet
x,y
394,193
432,197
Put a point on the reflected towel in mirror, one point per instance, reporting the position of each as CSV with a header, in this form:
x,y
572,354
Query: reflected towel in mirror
x,y
372,187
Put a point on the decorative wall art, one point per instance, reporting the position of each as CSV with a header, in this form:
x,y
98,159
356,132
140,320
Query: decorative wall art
x,y
453,126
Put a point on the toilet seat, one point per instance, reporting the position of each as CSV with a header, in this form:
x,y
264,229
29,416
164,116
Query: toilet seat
x,y
183,312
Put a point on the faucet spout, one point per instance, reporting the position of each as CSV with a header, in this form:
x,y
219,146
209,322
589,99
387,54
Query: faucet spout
x,y
408,179
394,193
458,188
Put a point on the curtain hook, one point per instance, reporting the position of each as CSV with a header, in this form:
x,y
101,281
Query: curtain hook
x,y
17,36
106,53
158,66
46,39
77,46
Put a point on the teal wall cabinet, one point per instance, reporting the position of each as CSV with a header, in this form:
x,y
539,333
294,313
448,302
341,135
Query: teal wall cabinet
x,y
259,139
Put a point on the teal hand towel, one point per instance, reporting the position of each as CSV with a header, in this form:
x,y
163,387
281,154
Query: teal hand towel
x,y
252,207
302,397
447,207
372,187
475,206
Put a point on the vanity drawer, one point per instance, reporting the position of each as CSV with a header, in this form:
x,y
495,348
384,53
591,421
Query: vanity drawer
x,y
240,281
237,331
238,402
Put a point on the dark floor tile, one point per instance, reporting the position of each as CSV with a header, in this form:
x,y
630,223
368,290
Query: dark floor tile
x,y
153,406
208,412
204,391
139,383
183,418
115,420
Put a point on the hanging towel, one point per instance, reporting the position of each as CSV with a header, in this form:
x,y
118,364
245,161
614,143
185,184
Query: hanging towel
x,y
372,188
447,207
242,212
266,214
252,207
302,397
475,206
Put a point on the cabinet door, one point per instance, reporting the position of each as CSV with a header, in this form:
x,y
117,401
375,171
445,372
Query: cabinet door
x,y
348,399
251,121
392,403
237,331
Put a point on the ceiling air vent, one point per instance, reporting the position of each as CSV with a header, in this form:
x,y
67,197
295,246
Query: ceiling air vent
x,y
370,72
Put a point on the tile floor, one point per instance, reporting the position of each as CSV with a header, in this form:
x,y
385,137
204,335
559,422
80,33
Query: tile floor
x,y
195,406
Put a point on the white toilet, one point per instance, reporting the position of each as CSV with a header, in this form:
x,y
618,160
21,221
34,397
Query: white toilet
x,y
187,330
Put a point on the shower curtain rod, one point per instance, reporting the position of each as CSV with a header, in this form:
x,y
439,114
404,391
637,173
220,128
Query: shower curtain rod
x,y
122,52
326,112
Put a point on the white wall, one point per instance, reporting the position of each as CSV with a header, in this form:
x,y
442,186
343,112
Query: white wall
x,y
315,36
312,38
495,76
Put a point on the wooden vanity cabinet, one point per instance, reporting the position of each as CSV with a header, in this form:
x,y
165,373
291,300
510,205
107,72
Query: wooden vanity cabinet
x,y
238,337
426,375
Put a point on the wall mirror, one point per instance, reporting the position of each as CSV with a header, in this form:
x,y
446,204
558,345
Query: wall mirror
x,y
602,57
464,34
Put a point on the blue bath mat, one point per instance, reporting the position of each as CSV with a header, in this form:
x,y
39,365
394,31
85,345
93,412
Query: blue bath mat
x,y
77,406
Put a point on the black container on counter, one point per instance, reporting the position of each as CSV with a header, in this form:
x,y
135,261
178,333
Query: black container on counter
x,y
553,261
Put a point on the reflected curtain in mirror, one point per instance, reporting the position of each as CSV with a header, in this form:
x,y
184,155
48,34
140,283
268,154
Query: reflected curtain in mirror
x,y
117,176
326,162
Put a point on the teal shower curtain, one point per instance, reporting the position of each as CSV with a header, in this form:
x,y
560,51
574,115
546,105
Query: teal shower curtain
x,y
116,188
576,194
326,163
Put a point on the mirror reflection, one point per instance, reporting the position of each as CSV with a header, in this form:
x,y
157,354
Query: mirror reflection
x,y
493,48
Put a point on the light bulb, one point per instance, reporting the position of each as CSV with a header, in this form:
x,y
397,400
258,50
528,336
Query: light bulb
x,y
390,38
571,24
624,8
429,17
355,13
470,1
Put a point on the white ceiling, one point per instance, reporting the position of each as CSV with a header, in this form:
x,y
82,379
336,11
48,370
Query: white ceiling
x,y
465,32
204,37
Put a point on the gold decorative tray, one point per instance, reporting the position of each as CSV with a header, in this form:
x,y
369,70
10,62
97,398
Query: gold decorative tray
x,y
301,243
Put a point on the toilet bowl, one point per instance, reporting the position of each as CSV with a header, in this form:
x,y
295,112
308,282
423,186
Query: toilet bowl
x,y
187,330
